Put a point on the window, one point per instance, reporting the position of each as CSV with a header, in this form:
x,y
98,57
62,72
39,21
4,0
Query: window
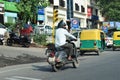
x,y
96,11
82,9
62,3
51,1
76,7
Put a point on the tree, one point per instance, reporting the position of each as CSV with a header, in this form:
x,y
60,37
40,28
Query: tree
x,y
110,9
28,9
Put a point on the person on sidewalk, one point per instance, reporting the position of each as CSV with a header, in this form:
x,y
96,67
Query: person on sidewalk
x,y
61,37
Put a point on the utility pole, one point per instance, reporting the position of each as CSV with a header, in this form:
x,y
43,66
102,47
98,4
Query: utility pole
x,y
69,9
69,12
55,18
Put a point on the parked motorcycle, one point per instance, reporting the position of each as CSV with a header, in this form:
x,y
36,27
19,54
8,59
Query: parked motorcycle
x,y
60,54
1,39
21,40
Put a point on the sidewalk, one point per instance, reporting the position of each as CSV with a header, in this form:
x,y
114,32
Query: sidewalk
x,y
15,51
19,55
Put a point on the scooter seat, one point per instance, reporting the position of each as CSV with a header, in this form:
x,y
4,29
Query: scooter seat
x,y
59,48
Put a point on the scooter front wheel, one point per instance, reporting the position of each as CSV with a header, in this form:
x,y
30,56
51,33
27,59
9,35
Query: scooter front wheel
x,y
75,63
56,68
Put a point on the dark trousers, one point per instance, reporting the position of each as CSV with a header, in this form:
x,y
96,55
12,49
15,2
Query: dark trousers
x,y
69,48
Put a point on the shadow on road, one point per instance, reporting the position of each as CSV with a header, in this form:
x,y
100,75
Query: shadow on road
x,y
110,49
89,54
48,68
42,68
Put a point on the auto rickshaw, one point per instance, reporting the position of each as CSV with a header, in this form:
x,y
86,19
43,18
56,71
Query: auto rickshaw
x,y
116,40
92,40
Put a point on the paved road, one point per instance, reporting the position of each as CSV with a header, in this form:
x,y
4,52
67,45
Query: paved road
x,y
92,67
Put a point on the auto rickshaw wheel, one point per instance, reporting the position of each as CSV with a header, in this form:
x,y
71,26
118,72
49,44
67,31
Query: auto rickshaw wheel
x,y
98,52
81,53
113,48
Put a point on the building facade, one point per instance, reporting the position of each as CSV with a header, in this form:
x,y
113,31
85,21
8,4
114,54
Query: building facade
x,y
85,10
94,18
78,10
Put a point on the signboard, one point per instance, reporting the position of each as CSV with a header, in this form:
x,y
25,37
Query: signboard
x,y
112,24
106,24
41,17
2,4
89,12
75,23
117,24
41,12
105,29
10,14
1,7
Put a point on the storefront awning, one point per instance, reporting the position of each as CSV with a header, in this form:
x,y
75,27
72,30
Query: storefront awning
x,y
10,6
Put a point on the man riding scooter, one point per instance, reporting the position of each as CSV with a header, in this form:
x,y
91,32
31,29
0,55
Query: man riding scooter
x,y
61,37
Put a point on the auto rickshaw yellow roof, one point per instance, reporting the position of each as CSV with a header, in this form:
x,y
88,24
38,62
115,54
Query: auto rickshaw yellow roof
x,y
91,34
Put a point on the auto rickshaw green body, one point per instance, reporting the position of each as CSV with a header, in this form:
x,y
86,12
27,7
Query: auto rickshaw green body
x,y
92,40
116,40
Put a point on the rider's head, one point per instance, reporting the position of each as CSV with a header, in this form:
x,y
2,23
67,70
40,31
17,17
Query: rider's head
x,y
62,24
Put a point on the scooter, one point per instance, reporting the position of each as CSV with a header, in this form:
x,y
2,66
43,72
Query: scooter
x,y
60,54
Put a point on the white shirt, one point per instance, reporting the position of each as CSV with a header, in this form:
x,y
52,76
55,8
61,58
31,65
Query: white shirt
x,y
60,37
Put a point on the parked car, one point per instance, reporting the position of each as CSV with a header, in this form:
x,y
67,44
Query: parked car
x,y
109,40
77,35
43,29
3,30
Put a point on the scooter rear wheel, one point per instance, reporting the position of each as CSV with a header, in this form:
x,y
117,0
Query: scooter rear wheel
x,y
1,43
9,42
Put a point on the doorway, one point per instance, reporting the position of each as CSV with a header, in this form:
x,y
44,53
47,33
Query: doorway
x,y
1,19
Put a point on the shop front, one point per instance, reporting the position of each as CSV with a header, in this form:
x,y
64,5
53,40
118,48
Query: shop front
x,y
8,12
10,17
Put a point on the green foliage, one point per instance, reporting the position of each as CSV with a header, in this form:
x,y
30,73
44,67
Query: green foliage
x,y
10,26
110,9
28,9
40,39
